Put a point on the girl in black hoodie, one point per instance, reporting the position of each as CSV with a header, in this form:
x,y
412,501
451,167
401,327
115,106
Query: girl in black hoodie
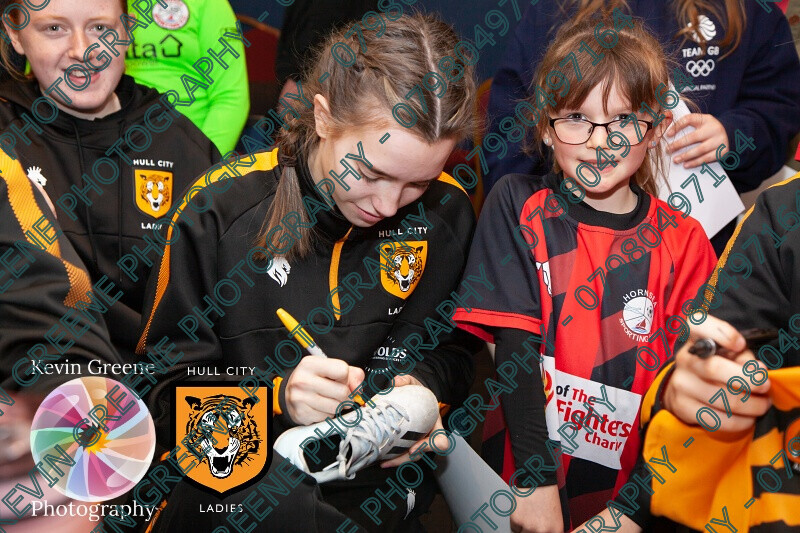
x,y
352,227
112,155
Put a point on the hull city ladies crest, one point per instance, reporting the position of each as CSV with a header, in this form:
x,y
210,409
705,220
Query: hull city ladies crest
x,y
226,430
402,267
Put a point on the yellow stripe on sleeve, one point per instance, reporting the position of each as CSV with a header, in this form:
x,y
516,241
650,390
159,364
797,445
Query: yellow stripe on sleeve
x,y
27,212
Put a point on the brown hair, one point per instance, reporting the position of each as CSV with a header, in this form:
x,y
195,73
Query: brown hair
x,y
5,46
636,64
386,68
687,12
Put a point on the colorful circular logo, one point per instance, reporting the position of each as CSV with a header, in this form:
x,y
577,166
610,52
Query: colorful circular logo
x,y
93,438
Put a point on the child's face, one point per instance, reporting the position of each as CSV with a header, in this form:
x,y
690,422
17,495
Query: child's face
x,y
58,36
570,156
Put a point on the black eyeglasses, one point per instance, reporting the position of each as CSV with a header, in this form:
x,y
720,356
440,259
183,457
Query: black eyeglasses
x,y
579,130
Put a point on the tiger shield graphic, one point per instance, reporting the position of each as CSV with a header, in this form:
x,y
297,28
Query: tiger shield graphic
x,y
153,191
227,432
402,267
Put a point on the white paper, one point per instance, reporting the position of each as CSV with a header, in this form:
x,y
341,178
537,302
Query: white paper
x,y
720,205
468,483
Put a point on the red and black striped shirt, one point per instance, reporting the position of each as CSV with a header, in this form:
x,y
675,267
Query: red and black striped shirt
x,y
599,287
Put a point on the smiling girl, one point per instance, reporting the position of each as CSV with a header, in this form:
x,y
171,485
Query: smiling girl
x,y
111,157
595,269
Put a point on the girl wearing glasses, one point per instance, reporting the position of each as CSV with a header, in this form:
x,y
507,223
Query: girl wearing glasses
x,y
591,263
738,52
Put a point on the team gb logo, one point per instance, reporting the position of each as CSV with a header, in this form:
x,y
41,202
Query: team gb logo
x,y
707,29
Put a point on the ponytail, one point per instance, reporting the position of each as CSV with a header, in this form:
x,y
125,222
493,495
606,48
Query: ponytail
x,y
288,199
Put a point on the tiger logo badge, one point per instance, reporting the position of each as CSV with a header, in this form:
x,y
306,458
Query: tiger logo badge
x,y
403,266
226,433
153,191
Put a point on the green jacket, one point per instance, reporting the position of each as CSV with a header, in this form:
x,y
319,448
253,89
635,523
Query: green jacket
x,y
164,53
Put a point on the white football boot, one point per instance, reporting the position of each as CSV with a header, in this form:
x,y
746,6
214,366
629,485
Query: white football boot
x,y
398,420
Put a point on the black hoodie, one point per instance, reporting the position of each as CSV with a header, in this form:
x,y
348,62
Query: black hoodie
x,y
121,212
375,319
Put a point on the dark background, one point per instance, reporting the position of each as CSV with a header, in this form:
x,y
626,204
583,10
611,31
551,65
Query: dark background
x,y
464,15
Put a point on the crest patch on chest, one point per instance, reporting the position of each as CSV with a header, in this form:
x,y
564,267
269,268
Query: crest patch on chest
x,y
153,190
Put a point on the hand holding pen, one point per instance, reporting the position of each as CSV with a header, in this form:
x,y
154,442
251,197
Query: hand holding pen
x,y
698,376
317,385
754,338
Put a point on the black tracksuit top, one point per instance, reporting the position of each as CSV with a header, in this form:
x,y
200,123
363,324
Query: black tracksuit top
x,y
212,244
38,288
119,217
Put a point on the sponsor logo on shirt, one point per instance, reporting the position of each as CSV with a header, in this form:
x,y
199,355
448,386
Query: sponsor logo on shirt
x,y
170,47
611,420
403,267
153,191
637,315
172,17
386,353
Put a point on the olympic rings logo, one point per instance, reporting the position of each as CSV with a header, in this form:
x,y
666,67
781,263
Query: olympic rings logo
x,y
701,67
